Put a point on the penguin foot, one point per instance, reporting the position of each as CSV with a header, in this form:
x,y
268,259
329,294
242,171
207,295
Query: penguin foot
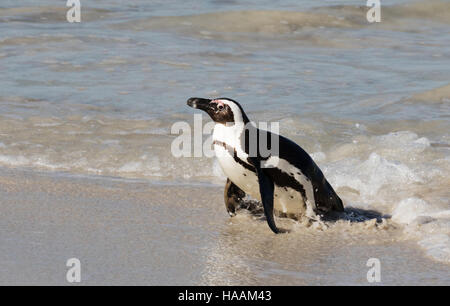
x,y
252,206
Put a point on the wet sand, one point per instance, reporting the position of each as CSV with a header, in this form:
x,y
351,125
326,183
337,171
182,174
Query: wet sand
x,y
130,232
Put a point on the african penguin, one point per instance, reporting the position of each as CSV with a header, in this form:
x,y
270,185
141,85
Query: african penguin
x,y
289,182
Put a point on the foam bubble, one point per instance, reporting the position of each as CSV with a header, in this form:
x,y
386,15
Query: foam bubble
x,y
409,209
371,175
402,175
318,156
13,160
131,167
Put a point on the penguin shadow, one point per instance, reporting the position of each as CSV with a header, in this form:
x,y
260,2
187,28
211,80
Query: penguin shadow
x,y
350,214
355,215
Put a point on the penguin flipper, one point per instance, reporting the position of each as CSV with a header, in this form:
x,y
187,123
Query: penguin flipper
x,y
233,196
266,189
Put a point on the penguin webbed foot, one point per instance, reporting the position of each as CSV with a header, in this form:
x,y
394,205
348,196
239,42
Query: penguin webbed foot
x,y
233,197
231,213
253,207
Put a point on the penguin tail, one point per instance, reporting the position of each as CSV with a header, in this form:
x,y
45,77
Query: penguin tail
x,y
337,204
328,200
335,201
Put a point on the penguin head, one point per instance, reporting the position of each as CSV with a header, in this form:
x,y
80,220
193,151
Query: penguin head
x,y
221,110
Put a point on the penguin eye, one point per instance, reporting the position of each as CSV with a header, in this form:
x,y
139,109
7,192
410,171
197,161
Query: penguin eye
x,y
220,107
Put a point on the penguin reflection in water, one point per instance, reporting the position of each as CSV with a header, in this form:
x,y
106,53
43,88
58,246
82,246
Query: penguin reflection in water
x,y
288,182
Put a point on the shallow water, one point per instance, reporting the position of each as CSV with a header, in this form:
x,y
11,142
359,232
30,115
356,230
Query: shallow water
x,y
371,102
131,232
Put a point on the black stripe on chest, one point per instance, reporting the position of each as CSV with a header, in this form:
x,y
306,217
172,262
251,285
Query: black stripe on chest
x,y
279,177
232,151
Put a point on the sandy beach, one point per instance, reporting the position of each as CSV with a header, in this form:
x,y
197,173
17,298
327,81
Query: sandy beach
x,y
134,232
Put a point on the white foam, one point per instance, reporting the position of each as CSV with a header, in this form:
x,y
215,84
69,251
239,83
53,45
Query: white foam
x,y
318,157
409,209
13,160
131,167
369,176
400,176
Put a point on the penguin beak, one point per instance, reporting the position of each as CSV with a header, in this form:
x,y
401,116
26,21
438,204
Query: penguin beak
x,y
199,103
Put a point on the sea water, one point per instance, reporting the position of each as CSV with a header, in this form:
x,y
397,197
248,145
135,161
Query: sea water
x,y
369,101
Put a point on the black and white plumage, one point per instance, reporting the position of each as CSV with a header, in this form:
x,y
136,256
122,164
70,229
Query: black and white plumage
x,y
293,185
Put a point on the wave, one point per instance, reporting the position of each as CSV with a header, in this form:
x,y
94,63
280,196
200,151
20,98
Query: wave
x,y
437,95
264,22
434,10
48,14
275,23
402,176
245,21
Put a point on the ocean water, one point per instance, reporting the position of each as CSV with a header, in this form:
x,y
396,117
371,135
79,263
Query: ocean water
x,y
370,102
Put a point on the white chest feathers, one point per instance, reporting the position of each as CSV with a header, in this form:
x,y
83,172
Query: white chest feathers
x,y
233,161
232,157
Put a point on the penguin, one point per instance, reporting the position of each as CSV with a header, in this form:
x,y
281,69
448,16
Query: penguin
x,y
287,181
